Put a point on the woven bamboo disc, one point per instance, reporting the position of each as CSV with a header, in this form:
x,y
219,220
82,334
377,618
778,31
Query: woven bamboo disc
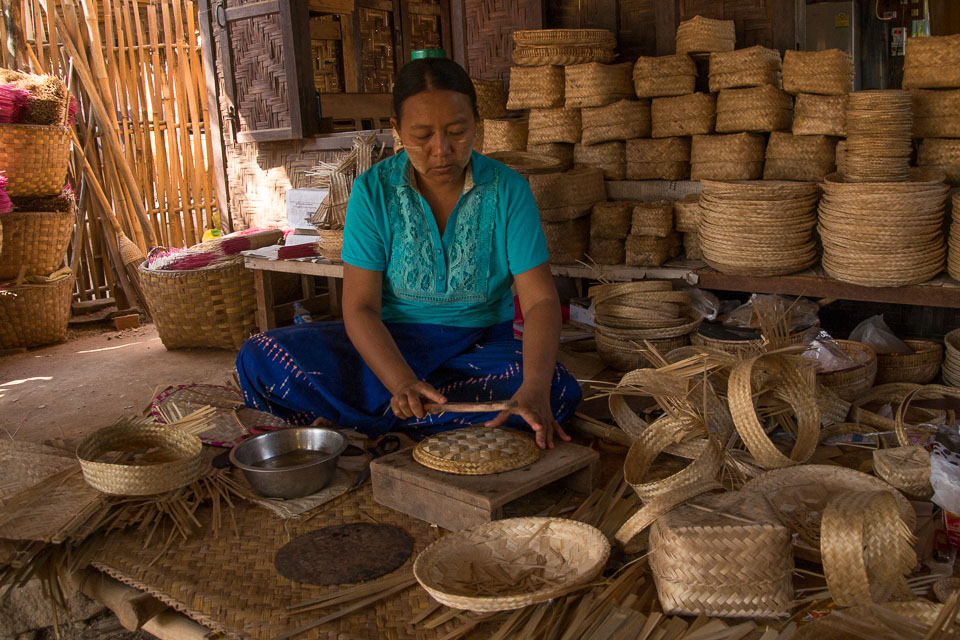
x,y
932,63
851,382
683,115
936,114
619,121
565,37
828,72
701,35
819,115
941,154
561,152
596,85
606,250
686,214
658,159
567,241
554,125
867,550
723,555
491,98
574,187
476,451
652,219
920,367
562,55
535,87
611,220
657,77
506,134
750,67
648,251
764,108
609,157
523,561
693,321
526,163
174,459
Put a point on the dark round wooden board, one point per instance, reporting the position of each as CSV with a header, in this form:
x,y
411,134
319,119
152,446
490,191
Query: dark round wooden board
x,y
343,553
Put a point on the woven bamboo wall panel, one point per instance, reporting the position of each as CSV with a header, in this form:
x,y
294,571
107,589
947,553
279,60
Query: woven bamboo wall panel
x,y
376,46
327,60
260,76
753,18
424,31
489,27
637,35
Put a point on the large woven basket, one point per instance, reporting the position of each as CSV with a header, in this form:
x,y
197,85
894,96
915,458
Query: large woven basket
x,y
657,77
32,315
804,158
36,241
702,35
176,459
610,157
658,158
919,367
486,567
536,87
942,154
751,67
683,115
213,307
730,558
652,219
736,156
567,241
34,158
505,134
595,85
851,382
621,120
764,108
819,115
627,355
828,72
932,63
936,114
554,125
491,98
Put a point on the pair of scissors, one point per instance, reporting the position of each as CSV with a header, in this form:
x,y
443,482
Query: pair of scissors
x,y
380,447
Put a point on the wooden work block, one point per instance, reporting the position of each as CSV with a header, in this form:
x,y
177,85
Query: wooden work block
x,y
456,502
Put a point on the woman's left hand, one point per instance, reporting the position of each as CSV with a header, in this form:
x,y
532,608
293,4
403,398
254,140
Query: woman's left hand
x,y
534,407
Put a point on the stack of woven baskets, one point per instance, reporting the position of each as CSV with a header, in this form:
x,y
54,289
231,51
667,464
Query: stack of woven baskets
x,y
653,239
39,218
686,217
565,201
491,104
879,127
932,73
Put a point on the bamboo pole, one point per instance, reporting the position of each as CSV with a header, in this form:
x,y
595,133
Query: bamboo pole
x,y
173,110
189,115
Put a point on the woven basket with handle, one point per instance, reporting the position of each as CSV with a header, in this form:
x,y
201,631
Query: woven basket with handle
x,y
36,241
932,63
32,315
34,158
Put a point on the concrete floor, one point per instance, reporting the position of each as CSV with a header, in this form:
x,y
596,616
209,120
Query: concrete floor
x,y
73,388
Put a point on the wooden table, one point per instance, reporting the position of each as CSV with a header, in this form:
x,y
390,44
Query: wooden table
x,y
263,270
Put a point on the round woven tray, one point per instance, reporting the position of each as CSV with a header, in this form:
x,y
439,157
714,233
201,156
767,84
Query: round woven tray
x,y
554,125
476,451
173,460
932,63
686,115
557,554
621,120
827,72
535,87
920,367
906,468
595,85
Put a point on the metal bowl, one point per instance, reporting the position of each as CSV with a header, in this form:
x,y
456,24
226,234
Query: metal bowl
x,y
289,463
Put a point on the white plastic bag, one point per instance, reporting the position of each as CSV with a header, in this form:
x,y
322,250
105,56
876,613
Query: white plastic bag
x,y
875,333
829,355
704,303
802,312
945,478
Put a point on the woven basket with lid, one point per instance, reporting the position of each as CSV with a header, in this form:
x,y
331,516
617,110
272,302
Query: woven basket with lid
x,y
764,108
686,214
932,63
606,250
621,120
750,67
554,125
491,98
736,156
611,220
34,158
819,115
803,158
936,114
828,72
505,134
595,84
649,251
652,219
942,154
582,186
607,156
701,35
658,158
656,77
32,315
683,115
536,87
568,241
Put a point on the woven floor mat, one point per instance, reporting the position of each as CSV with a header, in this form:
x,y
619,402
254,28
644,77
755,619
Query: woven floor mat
x,y
229,584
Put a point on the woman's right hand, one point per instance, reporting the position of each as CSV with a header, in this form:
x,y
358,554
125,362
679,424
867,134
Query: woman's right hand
x,y
406,401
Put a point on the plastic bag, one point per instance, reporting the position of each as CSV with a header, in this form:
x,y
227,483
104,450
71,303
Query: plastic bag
x,y
704,303
875,333
945,478
802,312
828,354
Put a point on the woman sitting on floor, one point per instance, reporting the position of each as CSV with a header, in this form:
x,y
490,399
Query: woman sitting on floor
x,y
435,237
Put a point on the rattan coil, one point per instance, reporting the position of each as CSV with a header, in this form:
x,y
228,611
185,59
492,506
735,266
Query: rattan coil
x,y
652,219
476,451
702,35
32,315
35,241
491,98
554,125
942,154
559,151
619,121
562,553
647,251
657,77
34,158
803,158
535,87
819,115
827,72
920,367
686,115
686,214
505,134
596,85
737,156
179,453
723,555
565,37
764,108
751,67
577,187
567,241
606,250
936,114
561,55
932,63
611,220
610,157
658,158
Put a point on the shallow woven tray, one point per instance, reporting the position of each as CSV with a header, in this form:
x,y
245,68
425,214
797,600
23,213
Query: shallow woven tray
x,y
477,451
564,552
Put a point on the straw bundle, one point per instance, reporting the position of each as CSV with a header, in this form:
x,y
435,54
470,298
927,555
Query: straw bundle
x,y
936,114
691,246
804,158
736,156
723,555
828,72
932,63
567,241
953,258
683,115
942,154
686,213
658,159
606,250
608,156
764,108
657,77
851,382
919,367
652,219
619,121
758,228
701,35
539,47
750,67
819,115
611,220
951,363
571,194
647,251
559,151
883,234
554,125
535,87
596,85
878,146
505,134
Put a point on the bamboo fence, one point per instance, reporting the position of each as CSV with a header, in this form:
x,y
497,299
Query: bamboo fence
x,y
142,157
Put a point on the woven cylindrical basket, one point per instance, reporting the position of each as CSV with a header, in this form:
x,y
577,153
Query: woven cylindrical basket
x,y
554,125
737,156
702,35
686,214
691,246
850,383
505,134
764,108
652,219
942,154
32,315
920,367
649,251
577,187
932,63
567,241
819,115
212,307
595,85
683,115
181,456
606,250
658,158
36,241
491,98
607,156
657,77
621,120
611,220
560,151
804,158
627,355
34,158
828,72
936,114
731,557
535,87
750,67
